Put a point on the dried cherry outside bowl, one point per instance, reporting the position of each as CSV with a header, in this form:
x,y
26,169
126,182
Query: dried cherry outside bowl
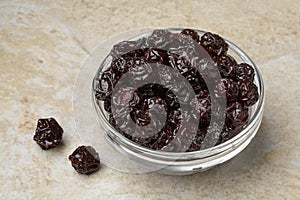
x,y
182,163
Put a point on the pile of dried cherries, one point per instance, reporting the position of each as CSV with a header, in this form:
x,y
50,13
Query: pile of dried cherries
x,y
203,63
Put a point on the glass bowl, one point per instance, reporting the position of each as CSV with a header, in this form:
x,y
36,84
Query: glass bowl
x,y
128,156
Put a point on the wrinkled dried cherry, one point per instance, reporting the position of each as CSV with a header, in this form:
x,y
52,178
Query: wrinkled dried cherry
x,y
85,160
48,133
236,115
203,63
214,44
244,71
193,34
248,92
228,89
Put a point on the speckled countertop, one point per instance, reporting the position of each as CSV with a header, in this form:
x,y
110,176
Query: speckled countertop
x,y
42,46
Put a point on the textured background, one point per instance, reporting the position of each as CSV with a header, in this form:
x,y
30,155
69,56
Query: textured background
x,y
42,46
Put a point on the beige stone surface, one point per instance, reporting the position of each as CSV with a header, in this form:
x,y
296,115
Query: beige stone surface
x,y
42,46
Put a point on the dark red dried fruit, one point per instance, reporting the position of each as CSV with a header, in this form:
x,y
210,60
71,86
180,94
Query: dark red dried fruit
x,y
146,91
195,79
165,76
203,105
48,133
160,39
237,115
107,104
174,117
228,89
191,33
126,47
171,100
154,55
244,71
112,121
226,66
159,90
163,139
141,117
198,140
85,160
124,97
228,133
201,62
248,92
149,103
183,93
105,84
214,44
123,63
180,63
120,65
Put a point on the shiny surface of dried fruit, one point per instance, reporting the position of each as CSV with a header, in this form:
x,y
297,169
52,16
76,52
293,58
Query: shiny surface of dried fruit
x,y
48,133
147,102
85,160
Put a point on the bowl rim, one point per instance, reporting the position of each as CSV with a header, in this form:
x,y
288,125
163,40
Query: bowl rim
x,y
194,154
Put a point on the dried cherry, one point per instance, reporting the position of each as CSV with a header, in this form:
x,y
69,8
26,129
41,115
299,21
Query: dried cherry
x,y
193,34
48,133
248,92
214,44
85,160
202,62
